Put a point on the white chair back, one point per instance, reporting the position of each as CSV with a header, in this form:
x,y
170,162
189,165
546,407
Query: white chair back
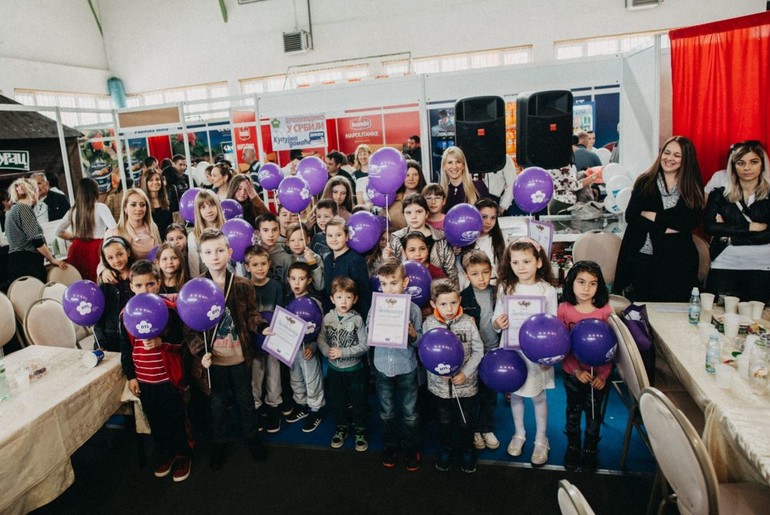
x,y
680,453
600,247
619,303
704,258
7,320
22,293
66,277
53,291
630,365
46,324
571,500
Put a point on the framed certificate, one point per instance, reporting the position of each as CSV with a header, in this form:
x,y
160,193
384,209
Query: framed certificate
x,y
519,308
541,232
289,331
389,320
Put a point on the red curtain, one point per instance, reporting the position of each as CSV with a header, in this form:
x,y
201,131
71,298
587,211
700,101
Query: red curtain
x,y
159,147
721,86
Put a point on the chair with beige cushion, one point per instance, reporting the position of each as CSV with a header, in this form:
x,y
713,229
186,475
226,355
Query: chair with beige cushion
x,y
85,336
600,247
65,277
571,500
53,290
684,462
46,324
7,320
22,293
704,258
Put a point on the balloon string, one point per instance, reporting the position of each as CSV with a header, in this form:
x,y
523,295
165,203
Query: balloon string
x,y
206,351
304,365
387,216
593,415
98,345
459,406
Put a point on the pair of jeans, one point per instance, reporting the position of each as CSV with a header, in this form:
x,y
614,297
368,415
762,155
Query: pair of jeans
x,y
487,398
163,405
389,389
456,421
579,401
348,388
235,379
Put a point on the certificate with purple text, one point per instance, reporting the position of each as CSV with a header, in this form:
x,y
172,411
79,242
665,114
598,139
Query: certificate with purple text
x,y
389,320
289,332
541,232
519,308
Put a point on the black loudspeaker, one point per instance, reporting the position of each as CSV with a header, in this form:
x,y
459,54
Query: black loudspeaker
x,y
544,133
480,125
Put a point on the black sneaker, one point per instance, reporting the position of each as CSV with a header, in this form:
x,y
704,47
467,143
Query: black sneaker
x,y
312,422
338,440
273,422
412,461
286,409
443,464
389,456
361,443
468,464
296,414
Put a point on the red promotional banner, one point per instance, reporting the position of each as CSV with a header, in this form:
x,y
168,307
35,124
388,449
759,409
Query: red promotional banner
x,y
244,137
358,130
399,126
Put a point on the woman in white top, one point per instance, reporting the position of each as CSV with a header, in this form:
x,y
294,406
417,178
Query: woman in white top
x,y
361,175
85,225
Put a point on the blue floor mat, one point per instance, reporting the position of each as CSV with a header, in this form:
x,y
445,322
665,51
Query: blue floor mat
x,y
639,458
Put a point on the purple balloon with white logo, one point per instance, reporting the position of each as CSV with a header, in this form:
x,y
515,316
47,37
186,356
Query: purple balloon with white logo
x,y
294,193
307,309
544,339
239,234
533,189
419,282
145,316
441,352
187,204
593,342
503,370
269,176
200,304
314,171
387,170
231,208
364,231
462,225
380,199
83,302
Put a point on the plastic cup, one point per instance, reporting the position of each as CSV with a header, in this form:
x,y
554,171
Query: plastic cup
x,y
93,358
705,330
744,309
707,301
22,379
731,305
724,375
757,308
732,325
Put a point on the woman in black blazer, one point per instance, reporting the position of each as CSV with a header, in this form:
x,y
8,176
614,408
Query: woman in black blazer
x,y
737,218
658,258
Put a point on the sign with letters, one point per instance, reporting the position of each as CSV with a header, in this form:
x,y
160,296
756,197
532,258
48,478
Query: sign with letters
x,y
17,160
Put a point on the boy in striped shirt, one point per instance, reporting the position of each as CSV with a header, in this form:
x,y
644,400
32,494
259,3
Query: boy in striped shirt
x,y
153,369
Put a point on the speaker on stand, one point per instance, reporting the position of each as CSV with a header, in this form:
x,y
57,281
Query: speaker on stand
x,y
544,132
480,123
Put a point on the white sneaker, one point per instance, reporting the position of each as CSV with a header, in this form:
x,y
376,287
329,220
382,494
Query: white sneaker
x,y
478,441
514,448
540,454
490,441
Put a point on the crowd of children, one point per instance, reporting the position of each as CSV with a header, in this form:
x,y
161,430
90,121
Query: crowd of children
x,y
291,259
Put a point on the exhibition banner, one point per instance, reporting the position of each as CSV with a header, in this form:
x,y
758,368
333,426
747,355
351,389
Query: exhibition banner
x,y
359,130
244,136
289,132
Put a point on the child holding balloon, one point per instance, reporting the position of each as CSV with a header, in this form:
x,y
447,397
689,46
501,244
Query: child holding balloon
x,y
268,232
298,243
153,369
525,270
117,258
170,261
585,296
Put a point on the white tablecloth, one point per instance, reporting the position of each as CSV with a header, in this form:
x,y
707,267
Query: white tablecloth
x,y
737,421
41,427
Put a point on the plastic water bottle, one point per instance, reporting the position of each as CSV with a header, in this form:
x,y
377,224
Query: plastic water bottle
x,y
5,390
758,365
694,311
713,353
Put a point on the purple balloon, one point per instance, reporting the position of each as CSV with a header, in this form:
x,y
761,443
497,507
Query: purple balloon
x,y
269,176
83,302
258,339
441,352
314,171
294,193
419,282
533,189
503,370
462,225
544,339
145,316
307,309
383,222
387,170
380,199
187,204
593,342
201,304
153,253
231,208
364,231
239,234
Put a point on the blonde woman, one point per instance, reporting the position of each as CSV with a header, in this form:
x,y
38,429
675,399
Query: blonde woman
x,y
456,180
85,226
136,227
208,215
361,175
26,241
